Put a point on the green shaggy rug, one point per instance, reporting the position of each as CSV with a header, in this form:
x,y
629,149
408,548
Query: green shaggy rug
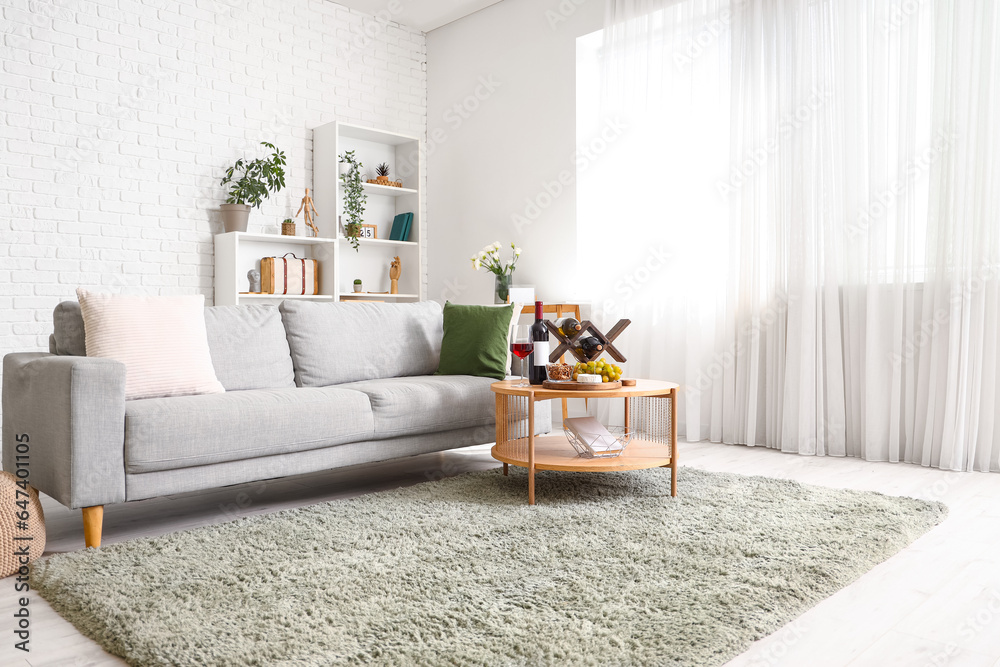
x,y
606,569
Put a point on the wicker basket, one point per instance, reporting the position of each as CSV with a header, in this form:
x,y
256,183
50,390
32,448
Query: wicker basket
x,y
288,229
13,526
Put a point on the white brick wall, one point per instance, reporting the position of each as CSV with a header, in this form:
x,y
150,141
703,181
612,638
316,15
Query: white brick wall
x,y
120,116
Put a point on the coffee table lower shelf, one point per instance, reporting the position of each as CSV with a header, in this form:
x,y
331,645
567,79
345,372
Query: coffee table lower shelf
x,y
553,452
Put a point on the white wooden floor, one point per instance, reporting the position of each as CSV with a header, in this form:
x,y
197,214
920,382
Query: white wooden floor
x,y
934,604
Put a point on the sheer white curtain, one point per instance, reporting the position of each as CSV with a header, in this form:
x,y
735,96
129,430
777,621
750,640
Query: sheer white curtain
x,y
647,213
833,285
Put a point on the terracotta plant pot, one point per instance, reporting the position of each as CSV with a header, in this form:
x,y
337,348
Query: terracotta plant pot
x,y
235,217
383,180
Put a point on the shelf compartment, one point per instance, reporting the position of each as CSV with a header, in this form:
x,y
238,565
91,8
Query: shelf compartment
x,y
303,297
382,242
278,238
385,190
374,295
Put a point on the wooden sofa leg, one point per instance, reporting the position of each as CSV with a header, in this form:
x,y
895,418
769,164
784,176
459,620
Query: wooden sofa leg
x,y
93,521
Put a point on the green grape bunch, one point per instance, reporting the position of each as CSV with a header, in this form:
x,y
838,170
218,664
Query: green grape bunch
x,y
609,372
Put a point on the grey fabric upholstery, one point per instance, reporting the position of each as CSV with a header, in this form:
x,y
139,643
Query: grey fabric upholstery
x,y
73,412
248,346
185,431
333,343
247,343
152,484
88,446
67,322
428,403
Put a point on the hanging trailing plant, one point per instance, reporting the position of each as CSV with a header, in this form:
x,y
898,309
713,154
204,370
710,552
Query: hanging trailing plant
x,y
354,198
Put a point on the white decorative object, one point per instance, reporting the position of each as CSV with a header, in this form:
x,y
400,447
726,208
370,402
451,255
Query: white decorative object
x,y
161,340
589,378
521,294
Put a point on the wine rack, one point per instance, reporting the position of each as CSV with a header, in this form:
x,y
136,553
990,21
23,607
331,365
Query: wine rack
x,y
569,343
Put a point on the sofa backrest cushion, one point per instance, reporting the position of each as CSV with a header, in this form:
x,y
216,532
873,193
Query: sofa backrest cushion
x,y
247,343
333,343
249,348
68,336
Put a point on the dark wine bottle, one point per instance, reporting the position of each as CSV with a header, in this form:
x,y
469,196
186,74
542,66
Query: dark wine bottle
x,y
568,326
540,355
590,345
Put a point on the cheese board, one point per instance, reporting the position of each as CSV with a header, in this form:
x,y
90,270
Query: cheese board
x,y
569,385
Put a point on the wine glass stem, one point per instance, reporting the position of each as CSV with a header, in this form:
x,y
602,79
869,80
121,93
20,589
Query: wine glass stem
x,y
524,377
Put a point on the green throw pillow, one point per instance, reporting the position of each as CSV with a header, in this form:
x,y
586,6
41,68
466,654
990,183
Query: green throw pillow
x,y
475,340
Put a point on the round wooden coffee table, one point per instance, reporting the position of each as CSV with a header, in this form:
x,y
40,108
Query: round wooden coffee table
x,y
650,414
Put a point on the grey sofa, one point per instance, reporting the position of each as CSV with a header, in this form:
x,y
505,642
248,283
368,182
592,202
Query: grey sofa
x,y
309,386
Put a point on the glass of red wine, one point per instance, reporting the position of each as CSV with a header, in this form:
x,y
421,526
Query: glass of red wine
x,y
521,345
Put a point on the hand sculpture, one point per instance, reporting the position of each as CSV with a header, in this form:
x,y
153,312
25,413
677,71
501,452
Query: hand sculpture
x,y
395,269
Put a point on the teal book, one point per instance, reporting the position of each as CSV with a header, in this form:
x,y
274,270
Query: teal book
x,y
398,227
405,236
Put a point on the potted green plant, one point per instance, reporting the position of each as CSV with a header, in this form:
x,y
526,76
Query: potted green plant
x,y
354,198
288,227
382,173
250,183
357,284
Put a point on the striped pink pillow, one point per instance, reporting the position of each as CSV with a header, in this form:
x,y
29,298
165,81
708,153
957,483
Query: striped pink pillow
x,y
160,339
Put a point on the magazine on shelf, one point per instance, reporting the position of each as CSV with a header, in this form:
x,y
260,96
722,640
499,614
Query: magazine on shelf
x,y
593,435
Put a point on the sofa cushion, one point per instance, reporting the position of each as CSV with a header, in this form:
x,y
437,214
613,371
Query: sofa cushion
x,y
185,431
249,348
333,343
424,404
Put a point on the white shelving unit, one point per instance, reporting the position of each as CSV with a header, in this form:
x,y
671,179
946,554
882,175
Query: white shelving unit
x,y
239,252
370,262
339,263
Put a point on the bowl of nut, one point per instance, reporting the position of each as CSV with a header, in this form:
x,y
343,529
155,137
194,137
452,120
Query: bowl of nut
x,y
559,372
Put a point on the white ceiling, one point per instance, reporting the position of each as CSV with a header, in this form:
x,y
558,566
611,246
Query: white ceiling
x,y
424,15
